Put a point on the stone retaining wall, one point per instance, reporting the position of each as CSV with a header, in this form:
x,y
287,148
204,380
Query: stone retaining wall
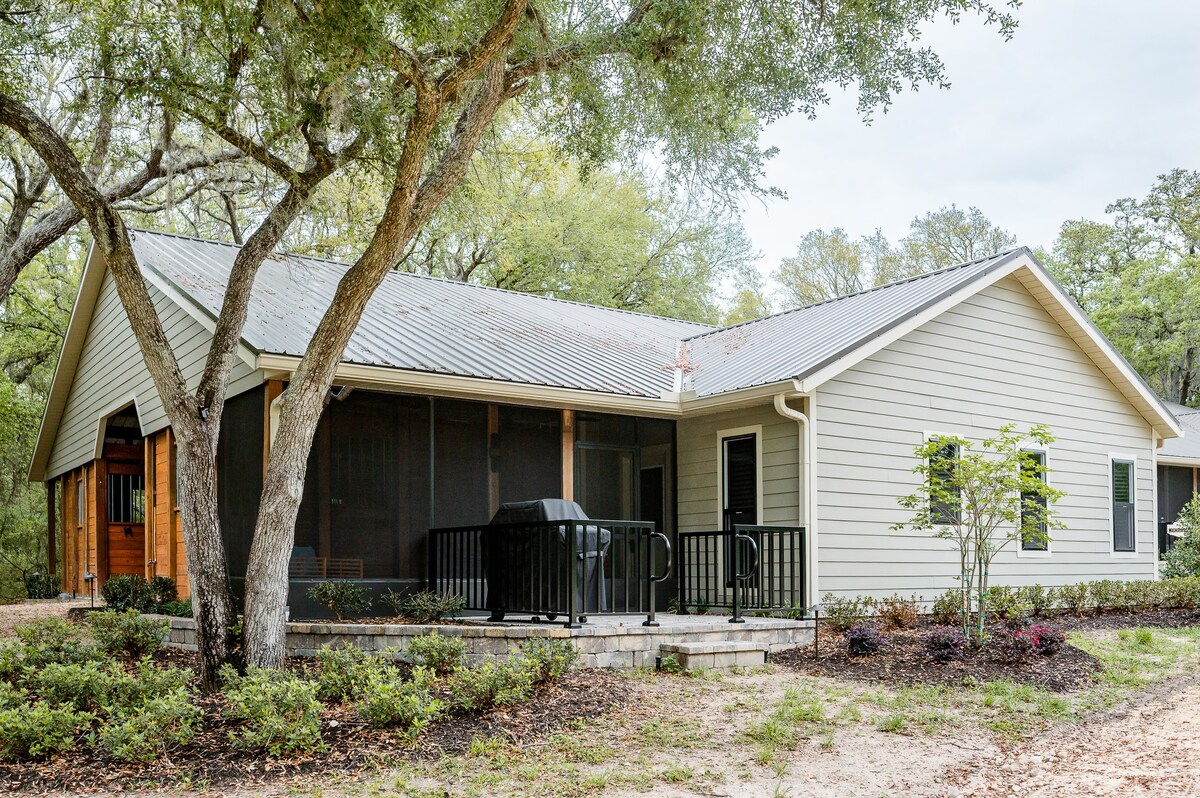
x,y
601,645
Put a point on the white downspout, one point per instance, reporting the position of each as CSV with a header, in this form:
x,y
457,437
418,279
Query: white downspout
x,y
804,481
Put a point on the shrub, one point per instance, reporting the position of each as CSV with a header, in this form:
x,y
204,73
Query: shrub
x,y
495,683
863,640
1074,597
148,680
341,597
343,671
1105,594
1048,641
163,591
47,640
440,654
177,609
39,729
1182,593
1041,600
424,606
390,700
549,657
41,586
279,711
163,722
897,612
1008,603
1183,558
946,643
84,686
128,592
127,633
947,608
842,613
11,696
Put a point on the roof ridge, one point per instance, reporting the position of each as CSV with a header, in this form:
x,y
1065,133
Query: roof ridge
x,y
446,280
872,289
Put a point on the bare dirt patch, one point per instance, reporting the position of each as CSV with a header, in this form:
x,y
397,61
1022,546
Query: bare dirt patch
x,y
1146,751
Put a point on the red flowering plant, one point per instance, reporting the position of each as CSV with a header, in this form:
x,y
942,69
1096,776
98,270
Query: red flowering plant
x,y
1022,645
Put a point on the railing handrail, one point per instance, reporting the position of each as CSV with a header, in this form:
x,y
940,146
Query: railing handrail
x,y
707,554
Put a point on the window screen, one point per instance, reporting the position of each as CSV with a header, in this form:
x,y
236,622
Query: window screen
x,y
946,507
1123,506
1033,506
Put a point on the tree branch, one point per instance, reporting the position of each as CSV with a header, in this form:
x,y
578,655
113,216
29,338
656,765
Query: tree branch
x,y
497,38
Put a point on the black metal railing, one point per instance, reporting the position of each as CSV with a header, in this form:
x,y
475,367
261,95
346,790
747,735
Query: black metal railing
x,y
571,568
747,568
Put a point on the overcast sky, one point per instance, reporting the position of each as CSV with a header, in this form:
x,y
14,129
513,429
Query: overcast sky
x,y
1088,103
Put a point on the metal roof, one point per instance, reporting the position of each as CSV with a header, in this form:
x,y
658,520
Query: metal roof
x,y
432,325
1186,446
797,343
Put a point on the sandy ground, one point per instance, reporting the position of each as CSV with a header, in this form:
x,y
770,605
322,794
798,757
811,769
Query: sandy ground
x,y
13,614
1149,751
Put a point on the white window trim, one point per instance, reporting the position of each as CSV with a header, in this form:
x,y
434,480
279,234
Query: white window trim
x,y
928,436
737,432
1035,554
1108,497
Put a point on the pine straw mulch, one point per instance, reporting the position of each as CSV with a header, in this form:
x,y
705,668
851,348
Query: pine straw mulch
x,y
352,747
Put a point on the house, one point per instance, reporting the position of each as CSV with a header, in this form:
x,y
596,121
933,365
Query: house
x,y
1178,470
453,399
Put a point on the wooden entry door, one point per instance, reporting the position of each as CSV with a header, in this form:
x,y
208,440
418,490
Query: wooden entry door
x,y
125,499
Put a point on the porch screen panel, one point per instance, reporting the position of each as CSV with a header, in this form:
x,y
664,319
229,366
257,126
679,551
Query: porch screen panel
x,y
460,492
528,454
605,482
239,475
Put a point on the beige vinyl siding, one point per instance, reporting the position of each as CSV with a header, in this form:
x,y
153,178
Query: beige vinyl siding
x,y
111,370
697,454
996,358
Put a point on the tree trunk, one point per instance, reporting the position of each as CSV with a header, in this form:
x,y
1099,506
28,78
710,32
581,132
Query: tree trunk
x,y
212,603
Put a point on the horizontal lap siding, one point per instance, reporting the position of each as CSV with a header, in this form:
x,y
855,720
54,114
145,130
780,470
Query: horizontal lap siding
x,y
995,359
111,369
697,465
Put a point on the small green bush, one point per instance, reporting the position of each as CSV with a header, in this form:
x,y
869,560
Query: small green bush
x,y
947,608
549,657
424,606
11,695
41,586
1182,593
1105,594
343,671
148,680
90,687
48,640
897,612
440,654
842,613
1008,603
278,710
1075,597
1041,600
177,609
163,591
495,683
128,592
127,633
341,597
144,734
41,728
390,700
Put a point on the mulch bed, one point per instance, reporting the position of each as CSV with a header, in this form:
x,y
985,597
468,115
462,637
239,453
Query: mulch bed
x,y
904,660
352,746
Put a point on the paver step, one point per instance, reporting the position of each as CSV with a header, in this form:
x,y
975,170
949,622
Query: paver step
x,y
714,647
716,655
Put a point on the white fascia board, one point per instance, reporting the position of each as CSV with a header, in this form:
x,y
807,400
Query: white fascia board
x,y
479,389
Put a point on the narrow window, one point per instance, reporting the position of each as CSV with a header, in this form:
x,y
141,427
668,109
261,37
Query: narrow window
x,y
944,493
1034,535
740,504
79,500
1124,530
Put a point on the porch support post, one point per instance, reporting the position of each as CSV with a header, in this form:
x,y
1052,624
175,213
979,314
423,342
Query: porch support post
x,y
568,455
493,439
51,531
